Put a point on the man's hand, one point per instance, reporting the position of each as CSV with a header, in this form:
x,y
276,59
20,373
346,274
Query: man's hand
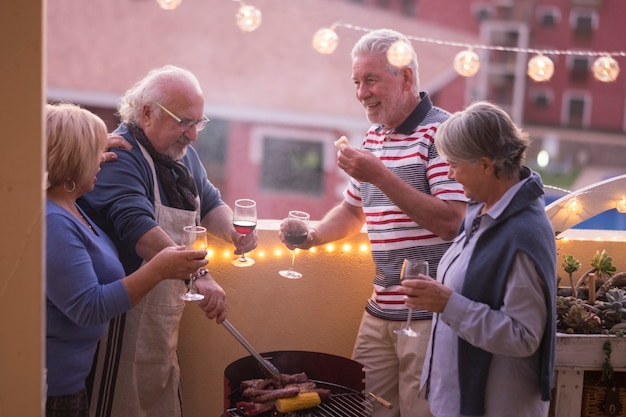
x,y
245,243
308,243
214,302
360,164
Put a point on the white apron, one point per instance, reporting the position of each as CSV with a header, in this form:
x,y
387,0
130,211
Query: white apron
x,y
136,369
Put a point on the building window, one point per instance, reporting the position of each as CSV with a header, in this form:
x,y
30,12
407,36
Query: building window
x,y
576,109
292,160
548,16
212,147
483,12
542,99
409,7
292,165
579,68
584,23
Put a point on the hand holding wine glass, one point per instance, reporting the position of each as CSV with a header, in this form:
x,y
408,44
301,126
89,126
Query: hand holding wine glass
x,y
244,222
411,269
296,231
194,237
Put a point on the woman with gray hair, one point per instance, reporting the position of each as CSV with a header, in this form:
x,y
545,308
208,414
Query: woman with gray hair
x,y
491,351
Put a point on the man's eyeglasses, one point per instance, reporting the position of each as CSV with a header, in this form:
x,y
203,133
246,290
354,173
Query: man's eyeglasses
x,y
186,123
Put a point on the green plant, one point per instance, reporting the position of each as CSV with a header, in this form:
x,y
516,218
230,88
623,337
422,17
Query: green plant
x,y
614,309
571,265
579,320
601,266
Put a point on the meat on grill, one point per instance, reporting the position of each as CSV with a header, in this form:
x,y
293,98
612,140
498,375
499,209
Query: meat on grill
x,y
259,394
264,395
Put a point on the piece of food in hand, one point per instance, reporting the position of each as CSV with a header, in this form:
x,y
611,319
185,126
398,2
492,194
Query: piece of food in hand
x,y
301,401
341,141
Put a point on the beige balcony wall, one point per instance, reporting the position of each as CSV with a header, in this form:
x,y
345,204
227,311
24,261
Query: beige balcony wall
x,y
319,312
21,207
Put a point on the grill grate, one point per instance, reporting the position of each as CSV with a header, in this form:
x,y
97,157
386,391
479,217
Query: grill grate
x,y
338,405
343,402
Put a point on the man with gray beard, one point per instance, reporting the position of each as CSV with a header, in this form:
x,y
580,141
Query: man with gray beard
x,y
142,201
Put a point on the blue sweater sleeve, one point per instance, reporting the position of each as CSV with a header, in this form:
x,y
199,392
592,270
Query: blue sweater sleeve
x,y
82,272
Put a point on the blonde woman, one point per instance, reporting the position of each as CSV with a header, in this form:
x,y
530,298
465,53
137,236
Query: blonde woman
x,y
85,282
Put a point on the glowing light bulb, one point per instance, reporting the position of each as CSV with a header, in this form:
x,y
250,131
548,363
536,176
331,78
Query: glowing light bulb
x,y
543,158
466,63
400,54
540,68
325,41
169,4
606,69
621,205
573,206
248,18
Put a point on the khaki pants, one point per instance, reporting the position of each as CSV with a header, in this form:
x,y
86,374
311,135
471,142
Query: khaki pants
x,y
393,365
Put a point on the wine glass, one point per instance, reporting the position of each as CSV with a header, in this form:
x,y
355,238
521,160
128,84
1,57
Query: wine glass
x,y
244,221
411,269
296,232
194,237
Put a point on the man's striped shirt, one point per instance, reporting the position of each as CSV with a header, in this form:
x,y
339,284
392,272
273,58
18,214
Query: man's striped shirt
x,y
409,152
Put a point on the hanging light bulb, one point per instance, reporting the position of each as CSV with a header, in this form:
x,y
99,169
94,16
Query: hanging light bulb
x,y
248,18
606,69
169,4
573,206
621,205
325,41
540,68
467,63
400,54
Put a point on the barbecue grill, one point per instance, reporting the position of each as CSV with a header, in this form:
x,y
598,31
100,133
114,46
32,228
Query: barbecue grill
x,y
342,376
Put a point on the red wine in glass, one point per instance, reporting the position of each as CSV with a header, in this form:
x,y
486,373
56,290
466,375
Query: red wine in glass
x,y
244,222
296,232
296,239
244,227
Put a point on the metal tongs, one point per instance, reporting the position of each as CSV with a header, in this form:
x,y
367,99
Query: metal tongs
x,y
267,365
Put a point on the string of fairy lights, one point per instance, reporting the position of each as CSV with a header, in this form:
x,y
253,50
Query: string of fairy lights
x,y
466,63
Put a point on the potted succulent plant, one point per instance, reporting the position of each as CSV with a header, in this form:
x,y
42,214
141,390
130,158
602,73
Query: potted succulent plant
x,y
596,303
591,318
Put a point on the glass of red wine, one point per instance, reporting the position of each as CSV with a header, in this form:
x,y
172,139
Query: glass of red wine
x,y
295,232
244,221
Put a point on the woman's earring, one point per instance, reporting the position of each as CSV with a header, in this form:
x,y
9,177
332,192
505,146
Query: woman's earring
x,y
73,186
